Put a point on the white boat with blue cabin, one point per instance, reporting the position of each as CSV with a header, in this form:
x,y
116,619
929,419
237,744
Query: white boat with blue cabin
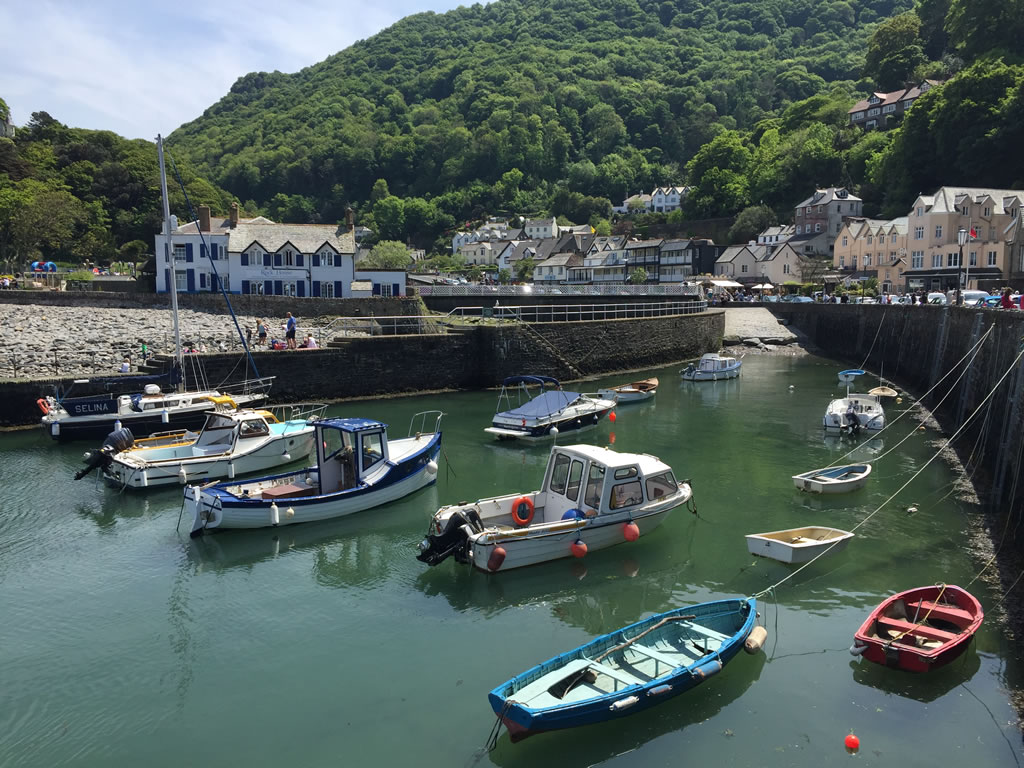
x,y
357,468
231,443
854,412
533,412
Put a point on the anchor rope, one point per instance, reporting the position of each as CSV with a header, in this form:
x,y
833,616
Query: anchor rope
x,y
877,331
913,477
882,431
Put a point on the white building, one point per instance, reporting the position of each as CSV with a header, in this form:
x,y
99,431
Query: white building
x,y
259,256
538,229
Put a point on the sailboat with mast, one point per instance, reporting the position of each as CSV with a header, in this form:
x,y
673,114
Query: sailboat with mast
x,y
152,409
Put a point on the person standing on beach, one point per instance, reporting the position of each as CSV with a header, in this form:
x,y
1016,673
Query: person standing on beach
x,y
261,333
289,331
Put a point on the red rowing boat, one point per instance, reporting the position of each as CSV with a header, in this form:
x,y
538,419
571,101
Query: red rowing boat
x,y
920,629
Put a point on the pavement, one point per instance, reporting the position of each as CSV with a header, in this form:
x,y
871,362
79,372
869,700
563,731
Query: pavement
x,y
755,323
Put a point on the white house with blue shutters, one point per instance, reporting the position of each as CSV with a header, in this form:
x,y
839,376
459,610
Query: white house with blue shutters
x,y
258,256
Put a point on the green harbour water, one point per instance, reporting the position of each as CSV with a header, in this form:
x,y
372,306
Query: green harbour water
x,y
125,643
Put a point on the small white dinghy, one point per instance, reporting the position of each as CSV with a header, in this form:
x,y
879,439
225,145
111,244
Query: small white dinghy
x,y
636,392
798,545
849,477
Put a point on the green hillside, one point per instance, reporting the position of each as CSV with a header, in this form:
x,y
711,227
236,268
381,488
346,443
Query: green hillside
x,y
608,95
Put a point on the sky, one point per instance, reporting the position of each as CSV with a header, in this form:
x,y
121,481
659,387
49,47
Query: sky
x,y
140,68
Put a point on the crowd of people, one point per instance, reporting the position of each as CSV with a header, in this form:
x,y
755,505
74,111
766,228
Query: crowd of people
x,y
290,327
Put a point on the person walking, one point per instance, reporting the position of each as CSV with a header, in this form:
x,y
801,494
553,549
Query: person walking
x,y
289,331
261,333
1006,302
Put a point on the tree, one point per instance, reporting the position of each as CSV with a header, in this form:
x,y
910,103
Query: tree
x,y
524,269
504,276
379,191
895,51
750,222
638,276
387,254
980,27
389,215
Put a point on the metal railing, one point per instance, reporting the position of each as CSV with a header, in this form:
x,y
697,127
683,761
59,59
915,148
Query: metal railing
x,y
575,313
560,289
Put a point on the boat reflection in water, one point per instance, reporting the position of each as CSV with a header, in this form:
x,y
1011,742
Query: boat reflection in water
x,y
924,688
872,446
593,744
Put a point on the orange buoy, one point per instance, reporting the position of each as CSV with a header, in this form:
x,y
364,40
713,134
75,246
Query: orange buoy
x,y
522,510
43,406
852,742
611,416
630,531
496,559
578,548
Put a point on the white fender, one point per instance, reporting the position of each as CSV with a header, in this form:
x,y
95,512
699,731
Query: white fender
x,y
431,467
621,704
164,416
275,517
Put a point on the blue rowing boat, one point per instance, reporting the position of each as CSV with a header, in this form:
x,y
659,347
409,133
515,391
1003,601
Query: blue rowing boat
x,y
625,671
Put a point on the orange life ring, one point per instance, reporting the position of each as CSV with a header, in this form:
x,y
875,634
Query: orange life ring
x,y
43,406
518,515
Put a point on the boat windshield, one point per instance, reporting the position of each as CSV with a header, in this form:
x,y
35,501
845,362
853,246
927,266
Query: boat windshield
x,y
559,474
661,485
335,441
595,484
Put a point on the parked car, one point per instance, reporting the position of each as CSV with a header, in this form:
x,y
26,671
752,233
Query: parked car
x,y
803,300
968,297
936,297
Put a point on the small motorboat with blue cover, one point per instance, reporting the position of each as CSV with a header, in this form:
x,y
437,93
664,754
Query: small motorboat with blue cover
x,y
532,411
357,468
626,671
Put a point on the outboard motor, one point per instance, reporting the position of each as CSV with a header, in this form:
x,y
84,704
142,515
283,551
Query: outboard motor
x,y
453,540
119,440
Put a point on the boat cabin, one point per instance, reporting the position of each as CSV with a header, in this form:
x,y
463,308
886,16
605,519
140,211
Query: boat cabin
x,y
349,451
715,363
599,481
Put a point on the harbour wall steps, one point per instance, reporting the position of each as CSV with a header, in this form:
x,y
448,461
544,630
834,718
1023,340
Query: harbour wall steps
x,y
469,357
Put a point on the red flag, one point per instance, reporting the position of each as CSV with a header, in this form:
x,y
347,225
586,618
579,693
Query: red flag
x,y
974,234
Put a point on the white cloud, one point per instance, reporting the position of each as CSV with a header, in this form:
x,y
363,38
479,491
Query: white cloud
x,y
137,69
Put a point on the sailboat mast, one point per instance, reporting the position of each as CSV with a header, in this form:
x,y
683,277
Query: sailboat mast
x,y
169,258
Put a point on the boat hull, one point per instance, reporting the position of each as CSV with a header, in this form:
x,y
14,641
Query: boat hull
x,y
217,509
733,618
915,632
803,547
868,411
286,448
533,431
828,480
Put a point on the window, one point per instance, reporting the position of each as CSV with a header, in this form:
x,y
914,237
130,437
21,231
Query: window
x,y
785,269
595,482
953,259
288,289
373,450
817,226
253,428
798,229
892,238
888,108
845,241
626,495
808,210
559,474
858,115
179,253
384,289
938,231
965,211
917,260
842,260
288,261
869,240
661,485
819,209
992,258
181,279
907,103
327,290
972,259
867,260
573,490
853,261
919,233
987,211
743,268
919,211
871,124
873,111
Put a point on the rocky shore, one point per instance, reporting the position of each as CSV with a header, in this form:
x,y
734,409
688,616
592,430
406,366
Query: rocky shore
x,y
88,341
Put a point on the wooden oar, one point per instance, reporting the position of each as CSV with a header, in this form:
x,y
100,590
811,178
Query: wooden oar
x,y
563,686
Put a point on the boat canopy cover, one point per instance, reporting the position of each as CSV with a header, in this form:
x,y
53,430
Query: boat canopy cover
x,y
350,425
852,372
544,404
540,380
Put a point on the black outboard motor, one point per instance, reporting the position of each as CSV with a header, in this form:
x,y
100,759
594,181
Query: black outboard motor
x,y
453,540
119,440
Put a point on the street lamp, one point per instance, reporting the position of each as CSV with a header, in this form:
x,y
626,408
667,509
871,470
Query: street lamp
x,y
961,238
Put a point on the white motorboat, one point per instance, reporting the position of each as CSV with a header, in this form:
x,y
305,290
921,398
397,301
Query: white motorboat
x,y
798,545
712,367
357,468
231,443
854,412
533,412
842,479
635,392
591,498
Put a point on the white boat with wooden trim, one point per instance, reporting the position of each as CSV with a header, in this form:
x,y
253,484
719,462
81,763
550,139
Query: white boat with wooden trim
x,y
591,498
854,412
231,443
798,545
842,479
712,367
635,392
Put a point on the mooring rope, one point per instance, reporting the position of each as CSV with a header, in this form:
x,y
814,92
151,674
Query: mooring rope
x,y
913,477
877,331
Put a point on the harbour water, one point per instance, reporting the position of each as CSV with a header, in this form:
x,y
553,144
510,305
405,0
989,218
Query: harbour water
x,y
123,643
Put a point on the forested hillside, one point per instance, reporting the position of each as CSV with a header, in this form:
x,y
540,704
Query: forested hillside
x,y
609,96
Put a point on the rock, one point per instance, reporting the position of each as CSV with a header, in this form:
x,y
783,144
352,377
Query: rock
x,y
783,321
752,342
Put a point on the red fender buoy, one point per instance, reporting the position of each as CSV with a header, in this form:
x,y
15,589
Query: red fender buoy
x,y
578,548
522,510
496,559
631,531
611,416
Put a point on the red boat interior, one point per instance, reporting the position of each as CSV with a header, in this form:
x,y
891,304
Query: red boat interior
x,y
921,623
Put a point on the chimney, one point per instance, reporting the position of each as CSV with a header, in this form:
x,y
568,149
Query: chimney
x,y
350,219
204,218
234,215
